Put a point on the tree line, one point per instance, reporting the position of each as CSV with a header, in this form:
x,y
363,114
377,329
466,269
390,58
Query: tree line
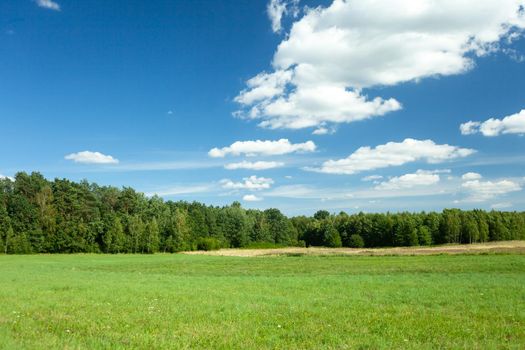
x,y
62,216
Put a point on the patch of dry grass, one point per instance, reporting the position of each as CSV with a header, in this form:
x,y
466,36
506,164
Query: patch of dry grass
x,y
514,247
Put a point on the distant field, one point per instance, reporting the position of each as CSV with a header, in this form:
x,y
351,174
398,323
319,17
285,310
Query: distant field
x,y
516,247
287,302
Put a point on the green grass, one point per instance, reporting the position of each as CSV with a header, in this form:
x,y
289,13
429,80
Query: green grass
x,y
179,301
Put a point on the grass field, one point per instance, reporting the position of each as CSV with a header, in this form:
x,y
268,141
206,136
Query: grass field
x,y
308,302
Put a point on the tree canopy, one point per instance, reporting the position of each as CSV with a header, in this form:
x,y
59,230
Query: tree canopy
x,y
62,216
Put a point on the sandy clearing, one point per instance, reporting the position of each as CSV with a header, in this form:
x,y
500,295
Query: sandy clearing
x,y
516,247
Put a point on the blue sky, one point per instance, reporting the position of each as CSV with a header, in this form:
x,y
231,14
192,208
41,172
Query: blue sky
x,y
299,105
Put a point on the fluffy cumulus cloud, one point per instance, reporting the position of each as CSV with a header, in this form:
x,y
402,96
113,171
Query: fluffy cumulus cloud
x,y
512,124
262,148
393,154
332,53
88,157
251,198
48,4
260,165
277,9
419,178
469,128
252,183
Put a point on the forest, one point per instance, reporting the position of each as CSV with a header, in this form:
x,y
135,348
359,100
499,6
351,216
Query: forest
x,y
62,216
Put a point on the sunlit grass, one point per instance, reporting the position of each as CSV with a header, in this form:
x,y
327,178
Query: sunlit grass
x,y
178,301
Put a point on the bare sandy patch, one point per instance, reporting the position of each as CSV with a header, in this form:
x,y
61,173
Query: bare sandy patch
x,y
511,247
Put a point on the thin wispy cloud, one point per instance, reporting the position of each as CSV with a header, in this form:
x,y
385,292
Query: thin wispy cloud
x,y
181,190
259,165
48,4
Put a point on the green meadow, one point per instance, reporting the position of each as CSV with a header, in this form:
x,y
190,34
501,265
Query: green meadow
x,y
286,302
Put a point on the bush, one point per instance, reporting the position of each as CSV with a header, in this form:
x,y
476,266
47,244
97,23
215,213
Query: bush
x,y
208,243
356,241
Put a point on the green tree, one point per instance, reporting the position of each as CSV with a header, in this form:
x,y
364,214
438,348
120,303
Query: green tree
x,y
279,228
424,235
356,241
470,228
114,239
152,236
450,226
235,226
135,234
178,232
321,215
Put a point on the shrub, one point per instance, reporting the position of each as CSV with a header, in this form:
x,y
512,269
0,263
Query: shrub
x,y
356,241
208,243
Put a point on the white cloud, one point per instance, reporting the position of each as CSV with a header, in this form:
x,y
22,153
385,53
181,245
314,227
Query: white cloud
x,y
471,176
3,177
480,191
345,194
393,154
296,192
252,183
278,8
264,86
503,205
180,190
317,105
332,53
419,178
251,198
167,165
260,165
469,128
512,124
264,148
48,4
323,131
372,178
88,157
